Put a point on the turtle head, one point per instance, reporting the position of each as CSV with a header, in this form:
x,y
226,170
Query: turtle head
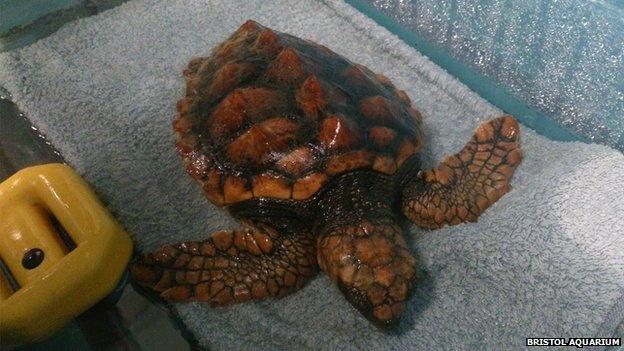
x,y
371,265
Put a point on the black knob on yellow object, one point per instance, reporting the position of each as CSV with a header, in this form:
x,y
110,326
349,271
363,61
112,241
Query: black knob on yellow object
x,y
54,282
32,258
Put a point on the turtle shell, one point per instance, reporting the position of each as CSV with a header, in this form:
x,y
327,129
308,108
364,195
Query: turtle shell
x,y
274,116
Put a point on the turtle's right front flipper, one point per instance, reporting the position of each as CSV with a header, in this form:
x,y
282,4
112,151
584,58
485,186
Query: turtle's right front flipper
x,y
253,262
462,186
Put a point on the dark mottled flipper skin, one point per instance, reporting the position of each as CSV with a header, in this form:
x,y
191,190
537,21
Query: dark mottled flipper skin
x,y
466,184
253,262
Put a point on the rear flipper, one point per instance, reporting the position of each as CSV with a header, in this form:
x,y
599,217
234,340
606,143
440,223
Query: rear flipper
x,y
253,262
467,183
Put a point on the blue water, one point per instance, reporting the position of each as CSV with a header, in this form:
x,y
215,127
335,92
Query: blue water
x,y
15,13
556,65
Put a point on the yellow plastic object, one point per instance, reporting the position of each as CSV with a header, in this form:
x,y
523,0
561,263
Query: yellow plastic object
x,y
66,282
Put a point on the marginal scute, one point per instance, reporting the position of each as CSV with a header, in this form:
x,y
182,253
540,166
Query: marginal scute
x,y
271,185
348,162
403,96
308,185
384,80
354,76
212,187
415,114
192,85
236,190
418,142
183,106
187,145
182,124
193,66
384,164
406,149
198,166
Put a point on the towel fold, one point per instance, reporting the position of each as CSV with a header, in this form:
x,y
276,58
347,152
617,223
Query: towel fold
x,y
547,260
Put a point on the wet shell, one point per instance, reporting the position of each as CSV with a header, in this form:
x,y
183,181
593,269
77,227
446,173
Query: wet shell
x,y
270,115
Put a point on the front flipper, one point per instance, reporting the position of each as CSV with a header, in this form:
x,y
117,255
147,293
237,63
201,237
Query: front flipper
x,y
467,183
253,262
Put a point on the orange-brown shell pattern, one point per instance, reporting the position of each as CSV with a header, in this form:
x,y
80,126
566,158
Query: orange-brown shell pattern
x,y
271,115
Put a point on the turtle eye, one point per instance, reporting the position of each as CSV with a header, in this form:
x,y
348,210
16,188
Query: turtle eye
x,y
32,258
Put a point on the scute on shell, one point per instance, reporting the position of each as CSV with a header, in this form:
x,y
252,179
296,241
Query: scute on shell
x,y
272,115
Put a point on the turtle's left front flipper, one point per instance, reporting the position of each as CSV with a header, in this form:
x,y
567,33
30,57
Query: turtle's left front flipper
x,y
256,261
461,187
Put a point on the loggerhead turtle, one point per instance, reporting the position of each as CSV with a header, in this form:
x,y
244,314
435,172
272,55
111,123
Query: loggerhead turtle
x,y
318,158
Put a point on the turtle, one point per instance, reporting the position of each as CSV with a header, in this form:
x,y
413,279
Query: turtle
x,y
319,159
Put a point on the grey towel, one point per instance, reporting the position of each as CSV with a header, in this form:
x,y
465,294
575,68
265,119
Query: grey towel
x,y
546,260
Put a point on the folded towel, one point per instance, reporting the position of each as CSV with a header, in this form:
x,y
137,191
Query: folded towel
x,y
545,260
